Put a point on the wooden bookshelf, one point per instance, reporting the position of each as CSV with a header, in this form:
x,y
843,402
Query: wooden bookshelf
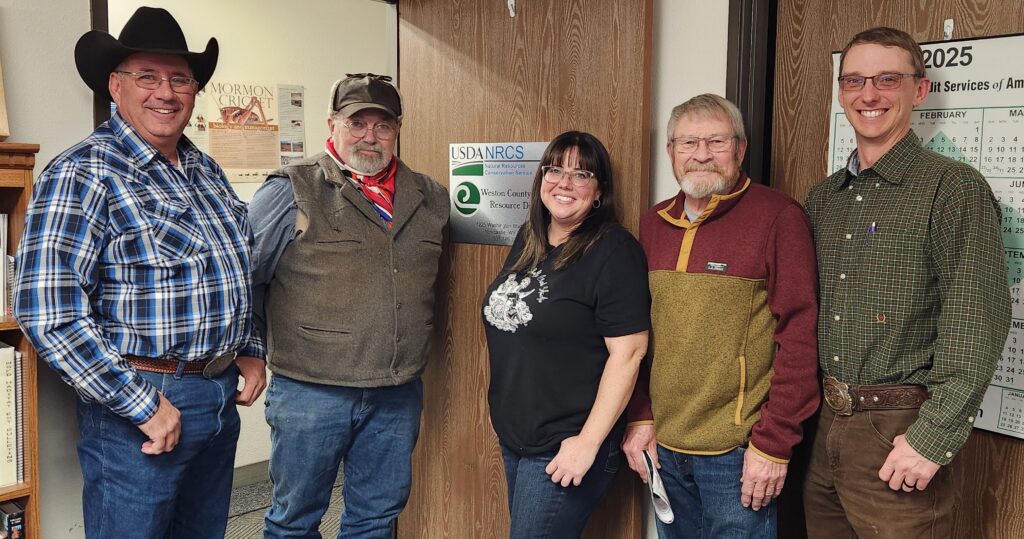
x,y
8,322
16,164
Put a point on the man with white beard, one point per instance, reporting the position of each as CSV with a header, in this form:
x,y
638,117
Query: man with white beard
x,y
733,369
346,257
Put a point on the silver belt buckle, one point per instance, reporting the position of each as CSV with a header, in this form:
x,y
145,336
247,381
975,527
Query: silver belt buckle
x,y
837,396
216,366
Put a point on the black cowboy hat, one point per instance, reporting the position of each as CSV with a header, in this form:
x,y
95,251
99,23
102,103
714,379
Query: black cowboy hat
x,y
150,30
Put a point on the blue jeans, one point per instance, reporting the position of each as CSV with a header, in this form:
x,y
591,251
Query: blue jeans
x,y
540,508
704,491
182,493
313,428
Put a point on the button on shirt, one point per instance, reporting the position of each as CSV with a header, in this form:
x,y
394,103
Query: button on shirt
x,y
124,253
913,284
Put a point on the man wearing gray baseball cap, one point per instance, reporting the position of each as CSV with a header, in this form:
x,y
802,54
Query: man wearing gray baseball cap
x,y
346,257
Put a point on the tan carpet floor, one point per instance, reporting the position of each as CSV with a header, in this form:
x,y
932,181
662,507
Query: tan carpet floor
x,y
250,525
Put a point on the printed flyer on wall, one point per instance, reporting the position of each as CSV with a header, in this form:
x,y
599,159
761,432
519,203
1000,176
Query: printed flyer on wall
x,y
249,128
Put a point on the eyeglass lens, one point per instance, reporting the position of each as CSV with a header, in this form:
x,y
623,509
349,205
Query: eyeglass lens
x,y
715,144
382,131
579,178
882,81
149,80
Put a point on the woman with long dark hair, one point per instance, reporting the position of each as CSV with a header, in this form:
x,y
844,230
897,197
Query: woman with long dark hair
x,y
566,322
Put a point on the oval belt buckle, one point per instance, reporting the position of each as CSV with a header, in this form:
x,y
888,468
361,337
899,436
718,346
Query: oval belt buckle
x,y
837,396
218,365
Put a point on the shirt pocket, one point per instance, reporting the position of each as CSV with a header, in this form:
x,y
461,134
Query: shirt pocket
x,y
161,234
894,271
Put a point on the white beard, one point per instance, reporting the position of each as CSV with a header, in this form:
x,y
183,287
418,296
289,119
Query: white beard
x,y
704,188
367,165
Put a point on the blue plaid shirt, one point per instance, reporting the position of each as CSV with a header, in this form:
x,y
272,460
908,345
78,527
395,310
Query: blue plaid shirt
x,y
124,253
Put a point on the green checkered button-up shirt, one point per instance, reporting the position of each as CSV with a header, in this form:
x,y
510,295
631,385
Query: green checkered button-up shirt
x,y
913,285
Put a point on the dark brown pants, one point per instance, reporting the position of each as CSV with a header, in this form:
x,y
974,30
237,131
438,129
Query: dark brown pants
x,y
843,496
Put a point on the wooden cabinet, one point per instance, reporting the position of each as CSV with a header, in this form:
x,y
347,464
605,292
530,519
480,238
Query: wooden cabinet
x,y
16,163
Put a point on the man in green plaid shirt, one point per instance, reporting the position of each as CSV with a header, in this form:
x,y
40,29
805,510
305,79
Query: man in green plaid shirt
x,y
914,308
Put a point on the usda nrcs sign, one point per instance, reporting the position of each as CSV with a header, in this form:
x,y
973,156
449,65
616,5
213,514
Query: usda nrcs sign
x,y
490,189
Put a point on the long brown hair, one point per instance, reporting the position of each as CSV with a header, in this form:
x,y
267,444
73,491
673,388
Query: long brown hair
x,y
593,157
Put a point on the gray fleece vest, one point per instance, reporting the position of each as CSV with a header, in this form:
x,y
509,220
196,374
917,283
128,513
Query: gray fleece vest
x,y
351,302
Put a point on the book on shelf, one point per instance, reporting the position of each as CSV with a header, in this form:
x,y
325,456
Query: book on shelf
x,y
19,411
9,401
12,521
9,297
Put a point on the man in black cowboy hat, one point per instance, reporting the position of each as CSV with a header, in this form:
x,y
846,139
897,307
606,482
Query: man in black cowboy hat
x,y
347,249
134,285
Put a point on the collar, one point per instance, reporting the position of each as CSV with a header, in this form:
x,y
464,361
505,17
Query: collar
x,y
675,212
141,152
891,167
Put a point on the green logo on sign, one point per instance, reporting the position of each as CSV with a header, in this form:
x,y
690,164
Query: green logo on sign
x,y
467,198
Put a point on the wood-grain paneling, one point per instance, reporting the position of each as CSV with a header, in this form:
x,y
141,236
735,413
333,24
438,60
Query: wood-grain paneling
x,y
991,466
471,73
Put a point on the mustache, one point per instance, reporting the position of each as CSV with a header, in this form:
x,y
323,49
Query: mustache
x,y
375,147
703,167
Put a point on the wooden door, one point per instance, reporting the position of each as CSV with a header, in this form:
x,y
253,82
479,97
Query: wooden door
x,y
991,466
469,72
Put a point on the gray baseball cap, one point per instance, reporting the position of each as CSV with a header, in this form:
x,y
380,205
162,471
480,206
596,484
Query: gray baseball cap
x,y
358,91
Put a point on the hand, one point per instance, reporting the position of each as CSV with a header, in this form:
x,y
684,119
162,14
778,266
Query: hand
x,y
163,429
762,480
638,438
574,458
905,468
253,371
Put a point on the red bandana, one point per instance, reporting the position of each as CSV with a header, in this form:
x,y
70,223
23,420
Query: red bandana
x,y
378,189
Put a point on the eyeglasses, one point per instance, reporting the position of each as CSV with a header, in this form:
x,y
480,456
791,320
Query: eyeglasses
x,y
383,131
149,80
882,81
579,178
716,144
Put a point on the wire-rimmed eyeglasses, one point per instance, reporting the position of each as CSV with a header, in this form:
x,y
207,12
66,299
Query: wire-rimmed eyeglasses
x,y
150,80
882,81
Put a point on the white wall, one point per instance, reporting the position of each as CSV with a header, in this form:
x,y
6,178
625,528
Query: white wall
x,y
690,51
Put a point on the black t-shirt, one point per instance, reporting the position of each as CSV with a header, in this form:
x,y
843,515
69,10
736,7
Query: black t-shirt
x,y
545,331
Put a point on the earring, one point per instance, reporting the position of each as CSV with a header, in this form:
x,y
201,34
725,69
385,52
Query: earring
x,y
597,203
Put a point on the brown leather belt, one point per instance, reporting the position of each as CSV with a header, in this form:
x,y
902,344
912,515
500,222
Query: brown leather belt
x,y
210,369
845,399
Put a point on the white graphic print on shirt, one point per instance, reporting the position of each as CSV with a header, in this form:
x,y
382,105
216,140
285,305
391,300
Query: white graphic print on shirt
x,y
507,308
